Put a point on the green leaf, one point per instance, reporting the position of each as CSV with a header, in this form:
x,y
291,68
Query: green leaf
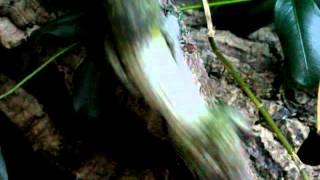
x,y
67,26
92,85
298,26
86,85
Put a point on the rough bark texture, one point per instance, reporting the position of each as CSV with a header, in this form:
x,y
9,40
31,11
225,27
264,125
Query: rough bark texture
x,y
25,111
18,19
259,58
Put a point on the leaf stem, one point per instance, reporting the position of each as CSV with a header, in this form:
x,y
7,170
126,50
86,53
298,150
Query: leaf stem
x,y
257,102
36,71
251,95
266,115
212,4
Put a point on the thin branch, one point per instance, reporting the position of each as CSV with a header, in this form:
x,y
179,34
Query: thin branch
x,y
212,4
36,71
266,115
207,12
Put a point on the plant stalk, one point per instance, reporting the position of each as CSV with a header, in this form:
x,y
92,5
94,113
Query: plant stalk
x,y
257,102
212,4
36,71
266,115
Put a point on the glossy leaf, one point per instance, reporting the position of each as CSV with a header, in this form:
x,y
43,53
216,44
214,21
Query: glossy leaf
x,y
93,87
87,88
298,25
67,26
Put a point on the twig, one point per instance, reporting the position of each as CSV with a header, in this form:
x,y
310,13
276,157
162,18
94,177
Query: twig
x,y
212,4
36,71
211,30
266,115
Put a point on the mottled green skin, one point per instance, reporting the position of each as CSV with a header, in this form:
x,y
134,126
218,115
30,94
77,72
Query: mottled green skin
x,y
132,20
216,152
210,146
